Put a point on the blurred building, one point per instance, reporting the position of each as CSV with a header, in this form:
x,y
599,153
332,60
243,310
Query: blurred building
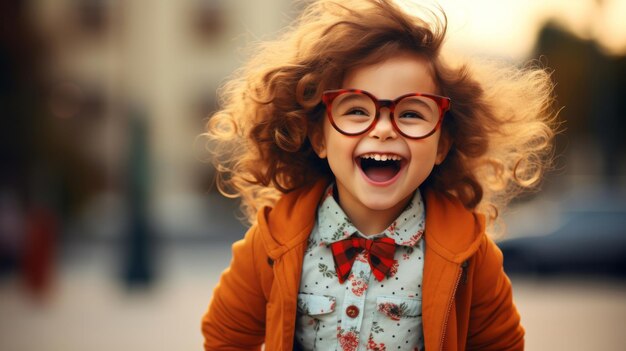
x,y
157,61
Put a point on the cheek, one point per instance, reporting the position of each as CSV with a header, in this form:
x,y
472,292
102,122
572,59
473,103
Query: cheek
x,y
340,151
425,155
337,145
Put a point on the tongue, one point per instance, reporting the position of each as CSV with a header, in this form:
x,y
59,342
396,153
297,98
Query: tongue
x,y
381,174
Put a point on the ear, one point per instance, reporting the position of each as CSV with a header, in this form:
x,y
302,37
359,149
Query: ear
x,y
316,136
445,143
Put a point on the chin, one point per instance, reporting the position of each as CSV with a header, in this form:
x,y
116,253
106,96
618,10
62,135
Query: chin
x,y
381,204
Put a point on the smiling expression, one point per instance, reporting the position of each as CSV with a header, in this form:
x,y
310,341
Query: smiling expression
x,y
378,171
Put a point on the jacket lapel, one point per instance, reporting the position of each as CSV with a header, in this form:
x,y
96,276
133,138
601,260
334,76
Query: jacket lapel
x,y
285,230
452,235
288,272
441,278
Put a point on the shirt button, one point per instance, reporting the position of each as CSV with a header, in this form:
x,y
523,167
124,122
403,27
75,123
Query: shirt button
x,y
352,311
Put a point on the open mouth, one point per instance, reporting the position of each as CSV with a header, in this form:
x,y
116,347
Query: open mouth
x,y
380,168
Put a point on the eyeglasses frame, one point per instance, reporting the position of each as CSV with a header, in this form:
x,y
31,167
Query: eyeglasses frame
x,y
330,95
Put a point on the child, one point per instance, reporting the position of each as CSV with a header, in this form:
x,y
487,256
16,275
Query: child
x,y
370,169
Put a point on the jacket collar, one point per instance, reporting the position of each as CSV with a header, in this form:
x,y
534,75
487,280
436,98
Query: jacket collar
x,y
291,220
451,231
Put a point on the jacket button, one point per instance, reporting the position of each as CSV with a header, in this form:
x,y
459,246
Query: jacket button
x,y
352,311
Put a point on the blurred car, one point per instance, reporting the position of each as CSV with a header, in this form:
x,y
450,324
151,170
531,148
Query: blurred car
x,y
590,240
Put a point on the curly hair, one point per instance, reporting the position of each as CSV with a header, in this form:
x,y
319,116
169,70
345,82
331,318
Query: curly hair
x,y
500,125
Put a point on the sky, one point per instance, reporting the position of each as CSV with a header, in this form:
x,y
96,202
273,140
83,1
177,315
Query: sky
x,y
508,28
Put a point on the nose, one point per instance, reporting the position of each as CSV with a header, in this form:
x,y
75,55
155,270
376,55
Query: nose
x,y
384,129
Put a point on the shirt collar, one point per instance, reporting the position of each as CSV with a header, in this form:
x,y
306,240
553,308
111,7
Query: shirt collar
x,y
334,225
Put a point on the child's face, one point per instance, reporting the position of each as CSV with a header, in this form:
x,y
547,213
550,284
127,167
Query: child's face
x,y
368,187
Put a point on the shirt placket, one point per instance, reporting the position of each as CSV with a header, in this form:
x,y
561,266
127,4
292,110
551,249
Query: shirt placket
x,y
354,300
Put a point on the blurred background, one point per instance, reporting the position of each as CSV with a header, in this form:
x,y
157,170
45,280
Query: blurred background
x,y
112,234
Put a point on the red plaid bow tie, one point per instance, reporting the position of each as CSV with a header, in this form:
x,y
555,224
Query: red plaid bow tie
x,y
380,255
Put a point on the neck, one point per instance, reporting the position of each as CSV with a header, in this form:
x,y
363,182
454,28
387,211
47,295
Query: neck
x,y
370,221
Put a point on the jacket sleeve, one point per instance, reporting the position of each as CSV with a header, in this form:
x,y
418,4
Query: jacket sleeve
x,y
235,319
494,322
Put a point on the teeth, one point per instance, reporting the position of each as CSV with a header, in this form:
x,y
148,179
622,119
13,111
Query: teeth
x,y
382,157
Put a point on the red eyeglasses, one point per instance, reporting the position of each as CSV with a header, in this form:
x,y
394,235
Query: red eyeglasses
x,y
415,115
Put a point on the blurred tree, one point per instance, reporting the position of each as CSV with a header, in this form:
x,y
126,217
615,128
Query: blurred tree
x,y
592,87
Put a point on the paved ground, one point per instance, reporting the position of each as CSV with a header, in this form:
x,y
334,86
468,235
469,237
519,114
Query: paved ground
x,y
89,310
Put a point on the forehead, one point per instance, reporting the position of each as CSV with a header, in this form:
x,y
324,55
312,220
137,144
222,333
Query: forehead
x,y
400,74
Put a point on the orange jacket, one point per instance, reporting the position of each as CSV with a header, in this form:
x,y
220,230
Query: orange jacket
x,y
467,300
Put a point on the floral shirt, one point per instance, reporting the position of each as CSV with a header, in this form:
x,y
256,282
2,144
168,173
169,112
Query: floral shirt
x,y
362,313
